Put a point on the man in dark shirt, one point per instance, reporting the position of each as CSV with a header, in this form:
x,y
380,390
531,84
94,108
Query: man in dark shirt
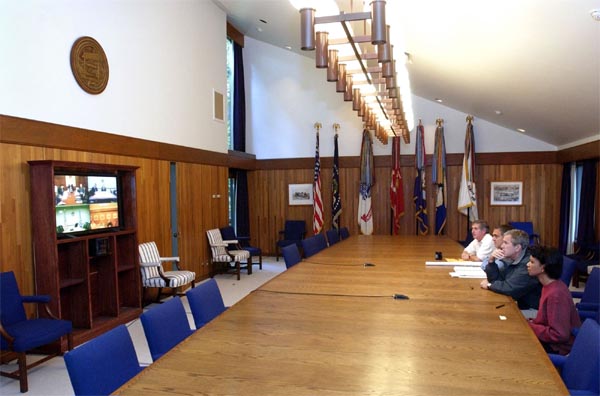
x,y
513,279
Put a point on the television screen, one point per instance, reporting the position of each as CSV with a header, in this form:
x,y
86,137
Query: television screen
x,y
86,203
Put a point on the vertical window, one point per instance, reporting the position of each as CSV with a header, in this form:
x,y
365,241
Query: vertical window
x,y
230,73
231,186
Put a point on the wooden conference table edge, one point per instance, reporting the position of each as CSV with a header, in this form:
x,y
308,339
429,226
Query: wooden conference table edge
x,y
265,288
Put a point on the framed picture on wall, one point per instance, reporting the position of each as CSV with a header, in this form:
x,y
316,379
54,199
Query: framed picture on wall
x,y
300,194
506,193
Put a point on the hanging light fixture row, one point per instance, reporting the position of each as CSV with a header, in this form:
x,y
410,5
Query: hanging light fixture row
x,y
376,99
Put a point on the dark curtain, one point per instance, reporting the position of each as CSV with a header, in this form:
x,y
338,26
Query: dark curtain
x,y
241,210
586,234
239,100
565,205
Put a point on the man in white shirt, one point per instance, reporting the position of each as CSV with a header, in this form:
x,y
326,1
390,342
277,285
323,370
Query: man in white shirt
x,y
482,245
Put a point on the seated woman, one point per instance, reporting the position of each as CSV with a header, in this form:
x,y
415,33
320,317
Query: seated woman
x,y
557,315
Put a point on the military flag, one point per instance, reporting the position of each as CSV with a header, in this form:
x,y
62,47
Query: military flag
x,y
438,168
396,188
467,196
365,211
419,196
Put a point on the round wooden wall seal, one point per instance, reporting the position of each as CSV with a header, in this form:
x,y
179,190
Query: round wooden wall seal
x,y
89,65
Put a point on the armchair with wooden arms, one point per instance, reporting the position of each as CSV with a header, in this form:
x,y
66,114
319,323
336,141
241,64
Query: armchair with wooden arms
x,y
293,233
243,243
154,275
221,254
19,334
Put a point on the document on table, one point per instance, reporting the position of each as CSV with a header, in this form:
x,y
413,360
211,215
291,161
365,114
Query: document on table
x,y
453,262
468,272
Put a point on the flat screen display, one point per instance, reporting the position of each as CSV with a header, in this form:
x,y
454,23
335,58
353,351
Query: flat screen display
x,y
86,203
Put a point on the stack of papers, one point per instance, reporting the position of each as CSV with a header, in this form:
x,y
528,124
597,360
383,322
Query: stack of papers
x,y
468,272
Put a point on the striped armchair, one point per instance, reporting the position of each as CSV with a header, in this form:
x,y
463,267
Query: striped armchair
x,y
153,274
220,253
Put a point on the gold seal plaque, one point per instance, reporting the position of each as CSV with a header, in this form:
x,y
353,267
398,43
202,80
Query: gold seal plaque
x,y
89,65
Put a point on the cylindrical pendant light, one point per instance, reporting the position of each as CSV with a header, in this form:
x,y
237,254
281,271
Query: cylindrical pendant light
x,y
340,85
393,92
388,69
307,29
390,81
356,99
378,30
348,91
384,50
322,47
332,65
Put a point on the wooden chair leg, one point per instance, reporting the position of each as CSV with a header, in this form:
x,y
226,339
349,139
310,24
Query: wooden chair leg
x,y
249,265
260,261
22,361
238,267
158,295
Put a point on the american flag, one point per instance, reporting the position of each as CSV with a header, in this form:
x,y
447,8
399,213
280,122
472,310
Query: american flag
x,y
336,205
317,199
396,187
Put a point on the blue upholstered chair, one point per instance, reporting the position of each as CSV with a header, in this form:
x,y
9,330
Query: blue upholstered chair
x,y
165,326
589,302
568,269
293,232
313,245
221,254
332,236
526,226
579,369
205,302
243,243
153,274
19,334
291,255
344,233
102,365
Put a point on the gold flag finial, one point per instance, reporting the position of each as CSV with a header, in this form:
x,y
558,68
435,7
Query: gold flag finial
x,y
318,126
469,118
336,126
439,121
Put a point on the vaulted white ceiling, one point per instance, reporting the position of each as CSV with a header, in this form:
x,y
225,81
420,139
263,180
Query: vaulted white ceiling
x,y
537,62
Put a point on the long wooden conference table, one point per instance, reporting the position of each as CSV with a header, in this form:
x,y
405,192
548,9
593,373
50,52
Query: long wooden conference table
x,y
330,326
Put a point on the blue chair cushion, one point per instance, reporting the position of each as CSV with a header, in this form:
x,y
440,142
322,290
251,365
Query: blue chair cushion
x,y
33,333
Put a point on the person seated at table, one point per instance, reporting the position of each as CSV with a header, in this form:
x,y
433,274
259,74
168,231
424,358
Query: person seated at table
x,y
557,315
513,279
482,244
497,254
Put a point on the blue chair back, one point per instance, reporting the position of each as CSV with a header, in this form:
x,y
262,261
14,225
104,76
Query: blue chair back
x,y
344,233
568,269
332,236
291,255
228,233
526,226
582,365
294,230
165,326
313,245
103,364
590,298
11,303
205,302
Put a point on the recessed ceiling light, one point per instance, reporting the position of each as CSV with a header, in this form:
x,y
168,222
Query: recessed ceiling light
x,y
595,14
259,29
499,112
521,130
438,100
288,47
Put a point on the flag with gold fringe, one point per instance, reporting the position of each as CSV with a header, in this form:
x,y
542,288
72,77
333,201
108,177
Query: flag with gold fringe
x,y
365,211
438,176
396,188
419,196
467,196
317,199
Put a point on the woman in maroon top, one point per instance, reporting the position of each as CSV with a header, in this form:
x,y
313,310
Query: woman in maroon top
x,y
557,315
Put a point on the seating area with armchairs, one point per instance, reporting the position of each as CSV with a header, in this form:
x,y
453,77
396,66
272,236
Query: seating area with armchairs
x,y
19,334
293,232
242,243
103,364
165,326
206,302
313,245
154,275
291,255
230,260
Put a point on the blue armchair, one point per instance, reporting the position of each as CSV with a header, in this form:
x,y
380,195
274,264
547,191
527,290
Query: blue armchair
x,y
293,233
243,243
526,226
291,255
313,245
206,302
19,334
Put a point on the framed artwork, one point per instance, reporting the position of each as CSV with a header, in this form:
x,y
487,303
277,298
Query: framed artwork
x,y
300,194
506,193
218,106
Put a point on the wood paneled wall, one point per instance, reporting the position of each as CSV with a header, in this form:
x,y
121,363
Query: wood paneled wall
x,y
202,199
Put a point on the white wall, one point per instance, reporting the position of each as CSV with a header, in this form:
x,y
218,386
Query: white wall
x,y
165,57
287,94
